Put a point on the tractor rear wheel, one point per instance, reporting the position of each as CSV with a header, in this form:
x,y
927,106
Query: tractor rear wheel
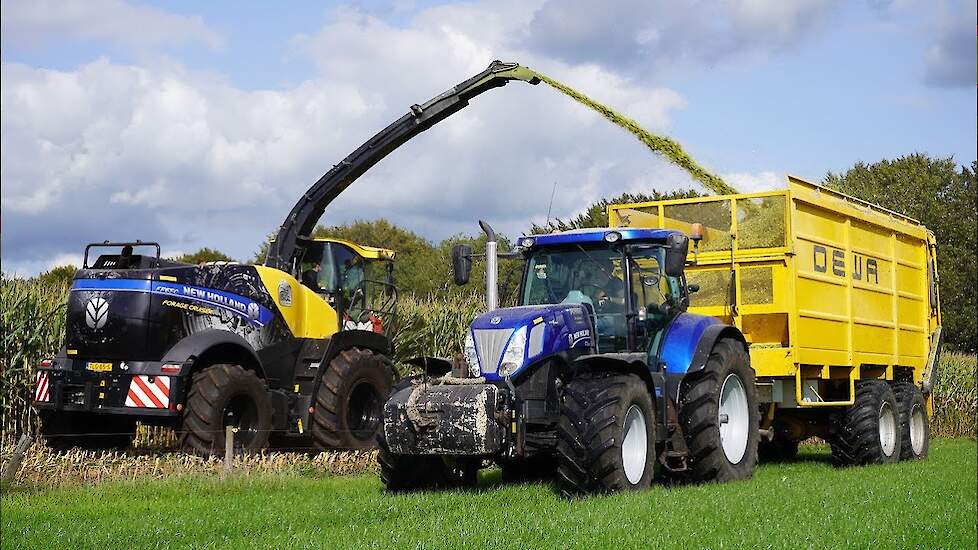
x,y
62,431
349,407
226,395
914,423
606,435
869,431
719,416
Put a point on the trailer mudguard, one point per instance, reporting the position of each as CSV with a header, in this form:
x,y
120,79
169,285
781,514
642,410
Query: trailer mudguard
x,y
196,345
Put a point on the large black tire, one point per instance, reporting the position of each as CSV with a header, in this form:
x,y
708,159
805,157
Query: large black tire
x,y
914,424
868,432
62,431
726,379
594,452
226,395
777,450
350,401
400,473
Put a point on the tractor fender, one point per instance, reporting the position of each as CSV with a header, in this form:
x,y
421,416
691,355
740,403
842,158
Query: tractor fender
x,y
215,342
345,339
690,339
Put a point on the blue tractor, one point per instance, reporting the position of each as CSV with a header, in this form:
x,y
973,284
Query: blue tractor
x,y
599,376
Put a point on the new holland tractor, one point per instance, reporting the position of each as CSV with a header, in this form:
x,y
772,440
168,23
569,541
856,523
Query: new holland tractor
x,y
202,348
599,376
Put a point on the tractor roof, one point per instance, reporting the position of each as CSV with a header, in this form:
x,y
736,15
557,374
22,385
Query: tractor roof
x,y
598,234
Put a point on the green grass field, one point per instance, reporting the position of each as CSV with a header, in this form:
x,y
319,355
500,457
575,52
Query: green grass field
x,y
807,503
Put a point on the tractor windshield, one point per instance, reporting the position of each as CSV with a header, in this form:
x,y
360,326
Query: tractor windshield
x,y
595,276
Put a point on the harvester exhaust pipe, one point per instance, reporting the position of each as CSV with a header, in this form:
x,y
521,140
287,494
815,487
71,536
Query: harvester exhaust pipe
x,y
492,293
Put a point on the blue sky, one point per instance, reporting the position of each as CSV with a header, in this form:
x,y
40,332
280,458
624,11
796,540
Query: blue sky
x,y
199,124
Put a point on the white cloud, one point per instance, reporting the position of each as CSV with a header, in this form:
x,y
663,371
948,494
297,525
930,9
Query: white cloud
x,y
35,22
746,182
110,151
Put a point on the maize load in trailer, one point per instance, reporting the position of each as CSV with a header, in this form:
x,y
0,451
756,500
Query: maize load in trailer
x,y
836,298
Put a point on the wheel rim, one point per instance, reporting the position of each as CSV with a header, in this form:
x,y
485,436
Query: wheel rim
x,y
917,429
363,411
887,425
734,418
242,413
634,445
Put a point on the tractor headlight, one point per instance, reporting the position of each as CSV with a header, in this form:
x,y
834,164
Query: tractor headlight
x,y
515,353
471,356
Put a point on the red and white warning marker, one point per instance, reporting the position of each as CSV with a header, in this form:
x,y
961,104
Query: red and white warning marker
x,y
149,395
42,388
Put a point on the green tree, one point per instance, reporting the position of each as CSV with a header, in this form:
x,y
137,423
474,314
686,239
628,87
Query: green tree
x,y
596,215
943,197
204,255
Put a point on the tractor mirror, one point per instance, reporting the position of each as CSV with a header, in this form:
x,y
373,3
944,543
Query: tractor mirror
x,y
461,263
676,248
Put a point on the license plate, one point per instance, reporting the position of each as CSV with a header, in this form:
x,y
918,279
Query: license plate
x,y
100,367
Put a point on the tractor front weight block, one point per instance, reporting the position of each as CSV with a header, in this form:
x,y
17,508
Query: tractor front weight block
x,y
445,419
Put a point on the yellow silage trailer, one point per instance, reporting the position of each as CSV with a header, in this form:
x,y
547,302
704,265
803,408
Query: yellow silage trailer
x,y
830,291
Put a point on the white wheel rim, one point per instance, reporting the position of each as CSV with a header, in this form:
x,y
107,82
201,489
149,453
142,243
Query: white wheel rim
x,y
917,429
887,429
734,418
635,445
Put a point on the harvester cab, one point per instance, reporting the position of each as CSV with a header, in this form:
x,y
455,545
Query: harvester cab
x,y
356,280
598,374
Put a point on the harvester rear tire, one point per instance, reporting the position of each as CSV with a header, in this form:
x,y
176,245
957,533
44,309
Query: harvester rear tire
x,y
727,382
222,395
868,432
913,421
606,435
62,431
349,407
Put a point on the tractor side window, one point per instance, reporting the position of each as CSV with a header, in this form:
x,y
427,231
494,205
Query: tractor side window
x,y
317,271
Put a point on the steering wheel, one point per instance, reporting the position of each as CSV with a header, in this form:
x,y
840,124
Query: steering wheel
x,y
594,295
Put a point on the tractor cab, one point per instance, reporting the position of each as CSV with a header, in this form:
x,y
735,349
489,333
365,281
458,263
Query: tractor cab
x,y
621,278
356,280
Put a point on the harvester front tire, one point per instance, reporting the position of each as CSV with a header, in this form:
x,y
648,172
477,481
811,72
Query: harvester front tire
x,y
868,432
222,395
914,424
606,435
719,416
349,407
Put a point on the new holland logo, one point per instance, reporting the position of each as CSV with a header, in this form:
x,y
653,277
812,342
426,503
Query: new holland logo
x,y
495,320
96,313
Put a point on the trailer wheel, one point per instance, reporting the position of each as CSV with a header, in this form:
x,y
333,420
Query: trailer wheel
x,y
349,408
606,435
868,432
914,424
719,416
226,395
62,431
